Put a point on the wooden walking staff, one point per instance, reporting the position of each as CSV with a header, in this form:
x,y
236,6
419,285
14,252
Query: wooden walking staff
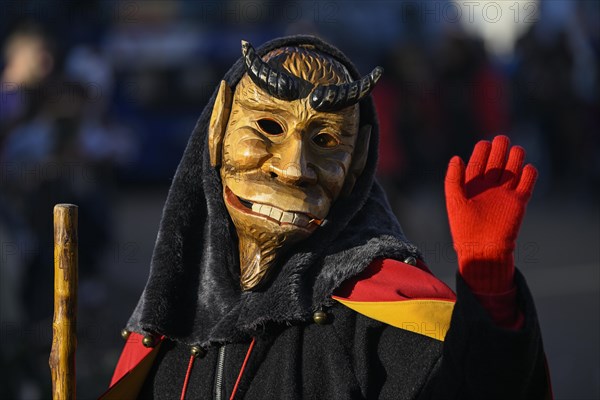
x,y
64,340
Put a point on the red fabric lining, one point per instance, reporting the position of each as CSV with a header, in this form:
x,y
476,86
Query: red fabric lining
x,y
133,353
391,280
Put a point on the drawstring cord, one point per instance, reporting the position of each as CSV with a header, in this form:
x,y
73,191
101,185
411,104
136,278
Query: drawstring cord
x,y
237,382
239,378
187,376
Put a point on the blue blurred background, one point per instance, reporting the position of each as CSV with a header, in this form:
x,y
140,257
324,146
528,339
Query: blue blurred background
x,y
97,99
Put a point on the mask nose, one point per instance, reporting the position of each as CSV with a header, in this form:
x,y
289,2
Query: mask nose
x,y
289,163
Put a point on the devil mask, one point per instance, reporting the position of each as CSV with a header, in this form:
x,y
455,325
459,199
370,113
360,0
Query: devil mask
x,y
287,141
288,144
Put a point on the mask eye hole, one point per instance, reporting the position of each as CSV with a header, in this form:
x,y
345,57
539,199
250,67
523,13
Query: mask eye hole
x,y
325,140
269,126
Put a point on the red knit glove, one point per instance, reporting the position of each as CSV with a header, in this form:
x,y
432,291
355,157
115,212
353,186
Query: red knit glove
x,y
486,204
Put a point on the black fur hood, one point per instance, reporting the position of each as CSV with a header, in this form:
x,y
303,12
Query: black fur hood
x,y
193,294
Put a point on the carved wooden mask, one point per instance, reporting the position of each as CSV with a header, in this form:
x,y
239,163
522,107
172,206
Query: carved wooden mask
x,y
287,149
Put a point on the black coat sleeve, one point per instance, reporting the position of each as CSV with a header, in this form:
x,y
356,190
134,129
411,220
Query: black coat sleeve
x,y
483,361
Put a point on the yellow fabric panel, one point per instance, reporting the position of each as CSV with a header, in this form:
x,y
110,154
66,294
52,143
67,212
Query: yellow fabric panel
x,y
425,317
129,386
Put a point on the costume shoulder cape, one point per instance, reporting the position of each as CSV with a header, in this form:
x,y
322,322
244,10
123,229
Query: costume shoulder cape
x,y
393,292
400,295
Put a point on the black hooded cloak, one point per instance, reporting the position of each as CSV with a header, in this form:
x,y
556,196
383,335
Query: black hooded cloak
x,y
193,297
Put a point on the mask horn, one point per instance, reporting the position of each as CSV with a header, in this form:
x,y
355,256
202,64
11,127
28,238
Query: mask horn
x,y
336,97
276,83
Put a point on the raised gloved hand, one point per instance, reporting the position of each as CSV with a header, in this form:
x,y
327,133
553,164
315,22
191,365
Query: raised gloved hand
x,y
486,203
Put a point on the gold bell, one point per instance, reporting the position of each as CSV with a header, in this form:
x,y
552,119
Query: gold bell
x,y
320,317
197,351
125,334
410,260
148,341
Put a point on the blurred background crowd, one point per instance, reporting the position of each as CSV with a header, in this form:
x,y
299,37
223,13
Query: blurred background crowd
x,y
97,99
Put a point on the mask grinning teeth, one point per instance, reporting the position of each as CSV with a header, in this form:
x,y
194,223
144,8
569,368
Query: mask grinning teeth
x,y
276,214
266,210
288,217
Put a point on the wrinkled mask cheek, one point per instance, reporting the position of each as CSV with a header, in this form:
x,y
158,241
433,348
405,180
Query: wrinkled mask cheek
x,y
243,150
332,174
